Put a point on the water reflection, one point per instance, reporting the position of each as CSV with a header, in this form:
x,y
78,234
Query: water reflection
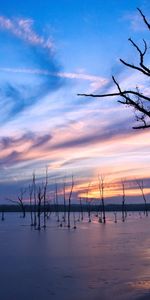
x,y
93,262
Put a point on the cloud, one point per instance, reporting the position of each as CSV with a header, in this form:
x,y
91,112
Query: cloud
x,y
96,82
131,183
33,140
39,52
22,28
13,158
41,140
135,20
77,161
22,154
7,142
103,134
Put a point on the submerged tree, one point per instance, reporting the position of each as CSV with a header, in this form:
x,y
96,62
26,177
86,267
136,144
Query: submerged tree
x,y
69,201
81,208
123,201
134,98
44,197
20,202
31,205
64,194
40,197
140,184
57,203
88,202
35,200
101,191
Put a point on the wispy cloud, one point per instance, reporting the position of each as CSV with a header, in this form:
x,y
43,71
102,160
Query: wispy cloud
x,y
42,55
32,138
96,82
106,133
22,148
135,20
23,29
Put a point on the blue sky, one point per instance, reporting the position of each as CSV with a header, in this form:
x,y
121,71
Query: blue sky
x,y
50,51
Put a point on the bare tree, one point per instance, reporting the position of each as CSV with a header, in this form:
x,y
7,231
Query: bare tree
x,y
101,191
35,200
140,184
40,197
56,201
64,192
44,197
123,201
134,98
81,209
115,215
88,202
20,202
31,206
69,201
74,220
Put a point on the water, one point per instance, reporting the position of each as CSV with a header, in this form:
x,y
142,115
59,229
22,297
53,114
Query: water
x,y
93,262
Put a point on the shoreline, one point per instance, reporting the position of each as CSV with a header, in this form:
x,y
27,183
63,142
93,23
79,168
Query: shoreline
x,y
76,208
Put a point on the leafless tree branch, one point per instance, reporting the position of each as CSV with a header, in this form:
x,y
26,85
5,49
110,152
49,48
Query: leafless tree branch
x,y
133,98
144,18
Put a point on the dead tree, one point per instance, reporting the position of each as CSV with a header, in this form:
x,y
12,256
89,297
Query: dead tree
x,y
140,184
88,202
115,214
64,193
123,201
40,197
20,202
56,201
44,198
35,200
31,205
81,209
101,191
69,201
134,98
74,220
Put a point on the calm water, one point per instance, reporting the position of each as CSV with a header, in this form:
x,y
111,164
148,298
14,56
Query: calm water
x,y
93,262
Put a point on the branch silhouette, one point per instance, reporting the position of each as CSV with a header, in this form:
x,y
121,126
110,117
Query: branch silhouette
x,y
134,97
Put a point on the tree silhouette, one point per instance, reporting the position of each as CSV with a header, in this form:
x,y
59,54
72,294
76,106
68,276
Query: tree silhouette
x,y
134,98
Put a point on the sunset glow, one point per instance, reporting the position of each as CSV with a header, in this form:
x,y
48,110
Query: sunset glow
x,y
46,59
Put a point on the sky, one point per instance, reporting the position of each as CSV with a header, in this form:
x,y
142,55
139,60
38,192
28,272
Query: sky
x,y
49,52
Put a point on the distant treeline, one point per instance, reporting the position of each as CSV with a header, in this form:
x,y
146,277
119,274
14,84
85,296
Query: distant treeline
x,y
75,208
